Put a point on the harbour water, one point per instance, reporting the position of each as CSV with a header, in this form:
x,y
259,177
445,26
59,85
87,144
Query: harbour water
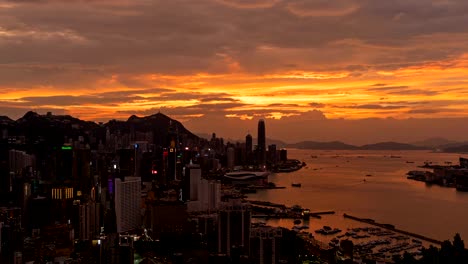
x,y
372,184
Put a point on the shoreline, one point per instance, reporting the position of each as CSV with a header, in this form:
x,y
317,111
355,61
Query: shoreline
x,y
392,228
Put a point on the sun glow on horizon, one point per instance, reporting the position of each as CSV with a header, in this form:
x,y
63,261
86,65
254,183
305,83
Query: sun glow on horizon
x,y
339,95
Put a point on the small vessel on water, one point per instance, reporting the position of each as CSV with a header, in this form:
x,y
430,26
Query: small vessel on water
x,y
296,184
326,230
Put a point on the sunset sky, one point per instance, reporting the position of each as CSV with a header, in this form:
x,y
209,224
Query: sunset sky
x,y
353,70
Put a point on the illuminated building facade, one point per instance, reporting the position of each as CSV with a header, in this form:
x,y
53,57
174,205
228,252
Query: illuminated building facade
x,y
127,203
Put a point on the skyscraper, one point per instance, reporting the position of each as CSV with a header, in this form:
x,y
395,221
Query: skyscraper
x,y
248,149
127,203
234,219
261,146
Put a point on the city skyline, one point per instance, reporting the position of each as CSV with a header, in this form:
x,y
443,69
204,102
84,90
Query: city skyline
x,y
311,69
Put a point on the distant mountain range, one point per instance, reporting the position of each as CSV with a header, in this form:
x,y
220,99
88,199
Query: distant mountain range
x,y
337,145
439,144
54,128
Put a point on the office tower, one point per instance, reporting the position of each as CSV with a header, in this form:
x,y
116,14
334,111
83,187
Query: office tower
x,y
234,227
62,201
191,181
209,195
272,157
261,146
248,149
205,195
88,220
82,169
283,155
230,154
18,160
171,157
65,164
127,159
127,203
4,172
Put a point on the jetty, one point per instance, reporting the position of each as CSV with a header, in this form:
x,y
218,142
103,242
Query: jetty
x,y
268,204
392,228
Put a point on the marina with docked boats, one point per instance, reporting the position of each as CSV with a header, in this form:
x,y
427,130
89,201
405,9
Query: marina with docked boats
x,y
370,239
329,229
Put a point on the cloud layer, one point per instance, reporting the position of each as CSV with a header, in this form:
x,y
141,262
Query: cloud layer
x,y
235,59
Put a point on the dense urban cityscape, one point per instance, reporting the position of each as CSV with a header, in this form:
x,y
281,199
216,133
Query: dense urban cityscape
x,y
233,131
103,192
147,190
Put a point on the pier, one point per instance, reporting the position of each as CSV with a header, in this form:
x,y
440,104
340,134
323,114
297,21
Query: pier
x,y
392,228
268,204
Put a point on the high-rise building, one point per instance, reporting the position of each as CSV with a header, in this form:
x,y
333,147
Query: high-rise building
x,y
272,154
172,151
82,169
205,195
191,180
264,244
127,203
231,157
64,165
88,220
283,155
19,160
248,149
261,146
234,227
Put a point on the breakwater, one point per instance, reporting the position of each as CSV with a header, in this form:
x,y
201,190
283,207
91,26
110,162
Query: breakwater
x,y
392,228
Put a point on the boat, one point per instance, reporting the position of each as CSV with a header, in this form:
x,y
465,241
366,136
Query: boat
x,y
295,184
326,230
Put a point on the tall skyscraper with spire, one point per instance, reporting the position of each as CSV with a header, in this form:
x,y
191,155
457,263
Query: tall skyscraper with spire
x,y
261,146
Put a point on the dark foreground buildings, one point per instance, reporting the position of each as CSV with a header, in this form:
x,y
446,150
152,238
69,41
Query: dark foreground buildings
x,y
78,192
